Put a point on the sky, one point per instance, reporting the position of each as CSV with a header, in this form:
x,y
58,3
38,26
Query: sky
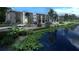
x,y
44,10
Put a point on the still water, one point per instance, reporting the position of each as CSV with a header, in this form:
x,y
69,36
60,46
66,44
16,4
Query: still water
x,y
63,40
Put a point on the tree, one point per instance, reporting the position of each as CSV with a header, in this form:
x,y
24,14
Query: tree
x,y
51,14
55,17
66,17
3,11
73,16
70,17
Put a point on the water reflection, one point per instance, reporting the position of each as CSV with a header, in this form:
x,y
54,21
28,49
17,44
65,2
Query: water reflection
x,y
73,37
64,40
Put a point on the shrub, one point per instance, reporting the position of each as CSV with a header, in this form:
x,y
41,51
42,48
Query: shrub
x,y
31,42
18,31
61,22
9,37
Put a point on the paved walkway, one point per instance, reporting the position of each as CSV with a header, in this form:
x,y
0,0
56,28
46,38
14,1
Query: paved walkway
x,y
27,28
9,27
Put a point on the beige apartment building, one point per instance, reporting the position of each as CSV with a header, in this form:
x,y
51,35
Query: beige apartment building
x,y
25,18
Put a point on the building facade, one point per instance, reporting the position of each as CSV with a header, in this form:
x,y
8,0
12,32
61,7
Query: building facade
x,y
26,18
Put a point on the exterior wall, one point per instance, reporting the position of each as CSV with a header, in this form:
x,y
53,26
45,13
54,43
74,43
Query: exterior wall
x,y
41,18
26,18
46,18
19,17
35,18
10,18
24,21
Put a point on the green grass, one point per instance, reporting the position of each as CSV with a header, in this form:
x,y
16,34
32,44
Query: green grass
x,y
31,41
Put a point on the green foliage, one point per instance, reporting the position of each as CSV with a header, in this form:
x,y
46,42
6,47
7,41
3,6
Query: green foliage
x,y
18,31
66,17
2,13
61,22
51,12
10,37
52,15
31,42
70,26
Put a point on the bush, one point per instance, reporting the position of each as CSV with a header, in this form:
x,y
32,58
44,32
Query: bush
x,y
9,37
18,31
61,22
31,42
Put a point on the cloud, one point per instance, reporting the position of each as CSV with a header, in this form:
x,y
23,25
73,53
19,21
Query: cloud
x,y
59,10
70,10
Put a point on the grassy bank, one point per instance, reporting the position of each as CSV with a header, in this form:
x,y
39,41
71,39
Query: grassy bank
x,y
31,42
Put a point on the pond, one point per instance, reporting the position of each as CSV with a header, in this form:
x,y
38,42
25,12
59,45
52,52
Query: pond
x,y
63,40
